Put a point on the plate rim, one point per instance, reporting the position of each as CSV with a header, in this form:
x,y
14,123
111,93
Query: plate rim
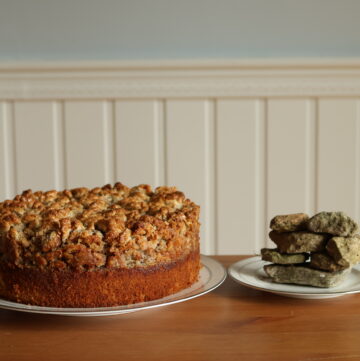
x,y
330,294
211,264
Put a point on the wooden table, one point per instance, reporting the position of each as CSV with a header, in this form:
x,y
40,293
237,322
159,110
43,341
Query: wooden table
x,y
231,323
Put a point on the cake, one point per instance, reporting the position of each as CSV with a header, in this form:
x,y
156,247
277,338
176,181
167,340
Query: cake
x,y
97,247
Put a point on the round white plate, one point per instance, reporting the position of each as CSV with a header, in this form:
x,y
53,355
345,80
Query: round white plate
x,y
212,275
249,272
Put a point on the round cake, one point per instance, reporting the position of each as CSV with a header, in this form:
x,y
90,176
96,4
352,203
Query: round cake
x,y
97,247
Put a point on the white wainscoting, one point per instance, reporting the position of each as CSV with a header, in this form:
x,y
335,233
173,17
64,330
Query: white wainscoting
x,y
245,140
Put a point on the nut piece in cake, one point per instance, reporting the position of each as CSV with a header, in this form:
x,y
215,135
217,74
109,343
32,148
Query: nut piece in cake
x,y
289,222
344,250
274,256
298,242
335,223
304,275
323,261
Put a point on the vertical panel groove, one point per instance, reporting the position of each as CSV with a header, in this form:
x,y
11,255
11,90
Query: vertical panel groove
x,y
108,141
216,179
162,141
58,145
165,141
159,142
260,176
3,153
258,170
8,144
310,156
115,140
55,144
64,141
357,161
316,156
113,123
14,155
265,185
209,175
156,136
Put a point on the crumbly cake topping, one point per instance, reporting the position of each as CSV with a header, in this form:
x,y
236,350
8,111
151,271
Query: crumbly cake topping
x,y
87,229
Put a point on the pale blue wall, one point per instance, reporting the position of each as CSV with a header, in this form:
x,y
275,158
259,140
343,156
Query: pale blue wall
x,y
153,29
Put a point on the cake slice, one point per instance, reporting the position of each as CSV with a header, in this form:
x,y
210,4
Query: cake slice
x,y
335,223
274,256
344,250
289,222
324,262
298,242
304,275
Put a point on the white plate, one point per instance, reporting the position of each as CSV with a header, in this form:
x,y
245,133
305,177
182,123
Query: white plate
x,y
212,275
249,272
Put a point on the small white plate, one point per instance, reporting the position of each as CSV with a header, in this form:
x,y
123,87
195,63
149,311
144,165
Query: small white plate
x,y
212,275
249,272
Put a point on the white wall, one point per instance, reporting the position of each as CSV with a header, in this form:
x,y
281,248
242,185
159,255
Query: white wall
x,y
164,29
245,141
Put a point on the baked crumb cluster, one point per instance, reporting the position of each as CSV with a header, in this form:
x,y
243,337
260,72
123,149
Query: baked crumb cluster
x,y
85,229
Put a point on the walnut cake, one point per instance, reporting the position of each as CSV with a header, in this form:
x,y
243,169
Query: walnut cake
x,y
97,247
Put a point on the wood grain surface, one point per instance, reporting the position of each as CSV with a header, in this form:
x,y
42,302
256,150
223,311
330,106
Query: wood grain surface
x,y
230,323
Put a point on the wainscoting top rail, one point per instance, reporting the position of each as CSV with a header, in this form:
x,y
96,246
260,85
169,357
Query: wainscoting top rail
x,y
180,79
202,64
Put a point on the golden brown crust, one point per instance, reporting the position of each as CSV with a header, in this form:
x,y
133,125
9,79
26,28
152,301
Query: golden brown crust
x,y
99,287
101,228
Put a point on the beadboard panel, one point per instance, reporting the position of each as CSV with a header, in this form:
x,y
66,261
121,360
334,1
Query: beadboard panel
x,y
190,158
139,134
291,127
245,142
240,181
338,155
3,150
34,145
87,141
8,181
242,160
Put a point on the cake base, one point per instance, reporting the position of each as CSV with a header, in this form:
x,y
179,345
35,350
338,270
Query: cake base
x,y
98,288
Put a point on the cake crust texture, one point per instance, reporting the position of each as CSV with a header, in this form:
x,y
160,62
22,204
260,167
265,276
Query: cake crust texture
x,y
97,247
99,288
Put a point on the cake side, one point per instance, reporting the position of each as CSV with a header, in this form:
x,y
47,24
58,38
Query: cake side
x,y
98,288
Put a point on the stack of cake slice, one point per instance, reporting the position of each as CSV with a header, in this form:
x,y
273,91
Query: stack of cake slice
x,y
317,251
